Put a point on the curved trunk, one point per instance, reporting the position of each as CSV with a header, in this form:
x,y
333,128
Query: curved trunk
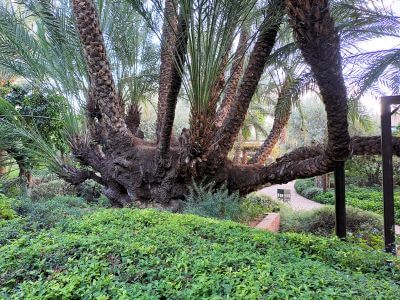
x,y
319,43
282,114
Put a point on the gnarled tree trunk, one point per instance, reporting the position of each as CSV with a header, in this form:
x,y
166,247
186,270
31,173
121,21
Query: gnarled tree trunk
x,y
158,173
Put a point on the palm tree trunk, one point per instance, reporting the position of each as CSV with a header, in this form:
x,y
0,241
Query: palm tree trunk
x,y
3,157
168,42
132,120
176,82
227,133
234,78
282,114
319,43
238,148
104,104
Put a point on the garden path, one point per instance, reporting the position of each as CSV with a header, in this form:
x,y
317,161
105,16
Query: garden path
x,y
297,202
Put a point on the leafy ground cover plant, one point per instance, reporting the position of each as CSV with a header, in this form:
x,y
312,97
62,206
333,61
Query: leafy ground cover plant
x,y
146,254
30,217
366,198
363,227
6,211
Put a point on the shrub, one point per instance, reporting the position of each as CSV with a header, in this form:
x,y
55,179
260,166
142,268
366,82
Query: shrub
x,y
267,202
301,184
89,190
47,190
145,254
47,213
6,211
11,187
204,200
12,229
363,226
366,198
311,192
255,205
326,198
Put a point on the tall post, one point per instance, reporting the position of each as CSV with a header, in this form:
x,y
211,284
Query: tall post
x,y
340,199
387,168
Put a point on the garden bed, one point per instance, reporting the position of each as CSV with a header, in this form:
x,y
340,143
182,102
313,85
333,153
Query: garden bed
x,y
131,254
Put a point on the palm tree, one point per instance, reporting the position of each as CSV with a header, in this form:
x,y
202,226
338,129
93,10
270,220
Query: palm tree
x,y
197,41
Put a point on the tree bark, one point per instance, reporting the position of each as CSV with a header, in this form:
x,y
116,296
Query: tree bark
x,y
168,43
234,78
132,120
105,105
319,43
225,136
176,82
3,158
282,114
238,149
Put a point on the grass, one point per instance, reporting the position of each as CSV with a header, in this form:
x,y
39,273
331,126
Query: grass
x,y
146,254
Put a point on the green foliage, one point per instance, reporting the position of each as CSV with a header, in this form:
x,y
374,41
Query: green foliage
x,y
6,211
367,171
311,192
30,217
204,200
47,190
302,184
362,226
90,190
11,188
12,229
145,254
40,111
366,198
364,170
48,213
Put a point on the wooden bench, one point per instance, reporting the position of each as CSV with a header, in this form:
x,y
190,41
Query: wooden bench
x,y
283,195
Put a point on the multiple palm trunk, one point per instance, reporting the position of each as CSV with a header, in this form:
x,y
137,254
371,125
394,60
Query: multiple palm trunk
x,y
158,173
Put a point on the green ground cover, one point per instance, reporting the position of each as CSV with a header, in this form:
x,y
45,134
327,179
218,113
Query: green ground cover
x,y
146,254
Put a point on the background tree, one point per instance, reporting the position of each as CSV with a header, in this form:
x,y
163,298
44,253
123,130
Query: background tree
x,y
39,111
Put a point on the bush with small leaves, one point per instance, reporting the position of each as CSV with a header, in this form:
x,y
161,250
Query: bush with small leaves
x,y
364,226
50,189
366,198
147,254
48,212
6,211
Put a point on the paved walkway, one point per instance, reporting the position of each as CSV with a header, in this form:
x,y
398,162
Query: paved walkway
x,y
297,202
